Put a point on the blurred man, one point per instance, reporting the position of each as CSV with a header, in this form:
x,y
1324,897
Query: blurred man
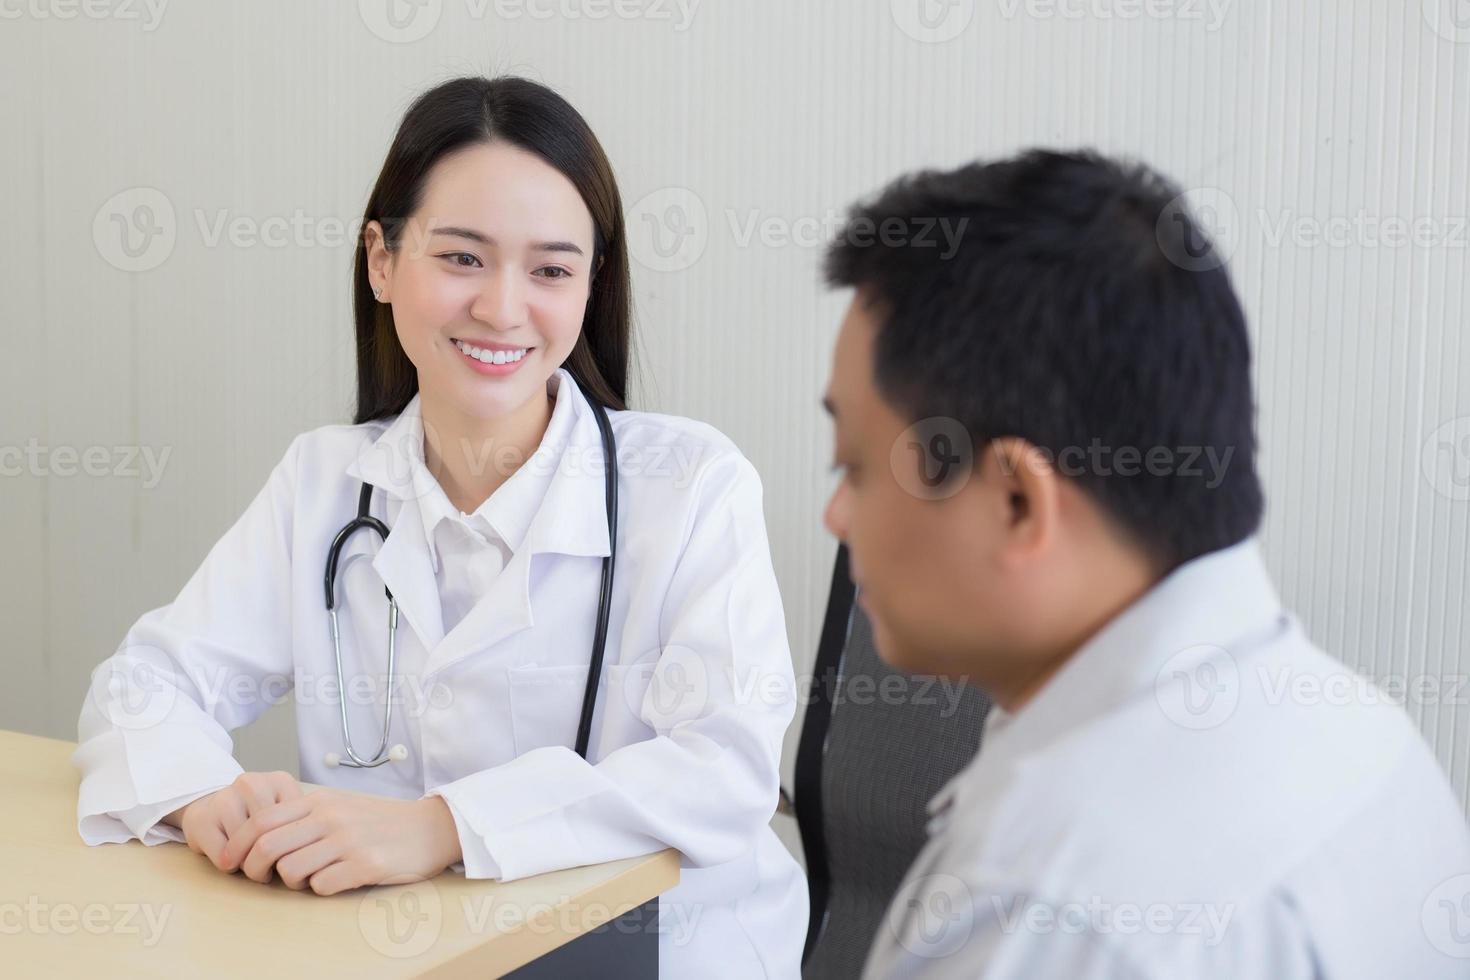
x,y
1045,433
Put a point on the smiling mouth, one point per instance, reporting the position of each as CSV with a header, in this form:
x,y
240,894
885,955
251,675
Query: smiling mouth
x,y
487,356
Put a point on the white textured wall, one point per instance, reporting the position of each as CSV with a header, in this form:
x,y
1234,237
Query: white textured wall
x,y
1338,115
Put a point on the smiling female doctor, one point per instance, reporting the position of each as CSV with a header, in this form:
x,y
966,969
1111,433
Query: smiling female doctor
x,y
477,315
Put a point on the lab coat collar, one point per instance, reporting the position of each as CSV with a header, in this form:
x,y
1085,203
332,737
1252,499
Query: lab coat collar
x,y
1214,600
512,508
554,500
553,503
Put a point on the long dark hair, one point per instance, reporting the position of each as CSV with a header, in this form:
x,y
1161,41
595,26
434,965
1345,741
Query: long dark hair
x,y
449,117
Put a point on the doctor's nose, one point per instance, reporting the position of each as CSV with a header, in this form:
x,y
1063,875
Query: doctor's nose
x,y
501,302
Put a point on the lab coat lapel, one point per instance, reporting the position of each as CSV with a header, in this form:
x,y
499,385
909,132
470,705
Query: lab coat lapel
x,y
565,476
403,561
405,567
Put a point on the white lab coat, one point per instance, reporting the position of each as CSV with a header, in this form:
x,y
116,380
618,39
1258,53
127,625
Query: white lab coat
x,y
1198,792
696,695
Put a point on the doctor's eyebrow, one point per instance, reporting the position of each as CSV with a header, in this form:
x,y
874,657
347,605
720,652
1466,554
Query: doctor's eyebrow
x,y
484,239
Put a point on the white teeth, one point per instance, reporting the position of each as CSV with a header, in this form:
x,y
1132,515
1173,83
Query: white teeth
x,y
489,356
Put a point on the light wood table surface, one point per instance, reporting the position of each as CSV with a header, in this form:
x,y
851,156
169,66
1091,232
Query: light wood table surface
x,y
113,910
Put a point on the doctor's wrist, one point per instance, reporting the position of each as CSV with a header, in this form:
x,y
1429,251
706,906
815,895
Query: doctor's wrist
x,y
442,833
176,818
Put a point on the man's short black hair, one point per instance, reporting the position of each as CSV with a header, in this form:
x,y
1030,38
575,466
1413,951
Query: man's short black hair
x,y
1070,300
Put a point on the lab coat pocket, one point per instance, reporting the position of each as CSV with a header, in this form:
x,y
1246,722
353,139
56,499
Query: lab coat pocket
x,y
546,704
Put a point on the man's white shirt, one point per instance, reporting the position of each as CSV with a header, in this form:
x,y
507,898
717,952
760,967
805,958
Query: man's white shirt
x,y
1198,792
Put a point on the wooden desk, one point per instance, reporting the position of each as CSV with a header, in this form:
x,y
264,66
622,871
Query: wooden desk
x,y
67,909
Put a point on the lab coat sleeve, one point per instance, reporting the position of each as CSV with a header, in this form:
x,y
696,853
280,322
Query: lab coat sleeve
x,y
154,726
719,698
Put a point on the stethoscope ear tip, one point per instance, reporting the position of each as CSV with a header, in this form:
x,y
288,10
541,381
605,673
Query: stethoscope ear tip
x,y
398,752
332,759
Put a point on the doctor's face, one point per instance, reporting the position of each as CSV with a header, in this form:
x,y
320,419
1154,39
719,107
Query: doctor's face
x,y
498,259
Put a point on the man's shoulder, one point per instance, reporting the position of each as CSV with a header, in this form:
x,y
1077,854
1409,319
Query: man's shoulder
x,y
1140,803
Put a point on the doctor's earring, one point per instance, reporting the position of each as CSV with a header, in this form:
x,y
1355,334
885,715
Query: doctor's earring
x,y
377,294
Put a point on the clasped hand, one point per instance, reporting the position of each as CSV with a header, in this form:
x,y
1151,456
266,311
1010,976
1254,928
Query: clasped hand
x,y
264,824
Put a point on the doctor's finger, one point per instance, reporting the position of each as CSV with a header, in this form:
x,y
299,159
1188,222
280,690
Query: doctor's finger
x,y
264,789
243,838
208,838
274,845
297,867
231,811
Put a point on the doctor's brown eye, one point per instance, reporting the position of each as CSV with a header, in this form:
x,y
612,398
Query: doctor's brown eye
x,y
452,256
560,272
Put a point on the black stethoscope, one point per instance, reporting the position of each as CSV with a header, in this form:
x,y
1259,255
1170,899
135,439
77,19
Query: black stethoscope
x,y
599,638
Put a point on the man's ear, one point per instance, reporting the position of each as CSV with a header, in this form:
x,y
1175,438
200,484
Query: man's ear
x,y
1030,495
